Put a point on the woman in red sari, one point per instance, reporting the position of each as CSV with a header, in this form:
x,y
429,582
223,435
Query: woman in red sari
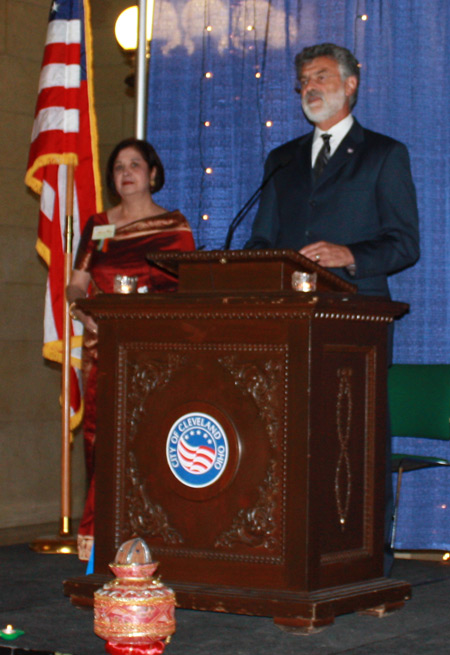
x,y
117,242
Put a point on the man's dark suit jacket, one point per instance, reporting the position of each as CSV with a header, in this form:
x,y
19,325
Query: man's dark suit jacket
x,y
365,199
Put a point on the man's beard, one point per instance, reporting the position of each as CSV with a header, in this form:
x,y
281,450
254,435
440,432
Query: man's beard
x,y
331,104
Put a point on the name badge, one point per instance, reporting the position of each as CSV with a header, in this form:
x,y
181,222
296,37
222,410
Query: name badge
x,y
103,232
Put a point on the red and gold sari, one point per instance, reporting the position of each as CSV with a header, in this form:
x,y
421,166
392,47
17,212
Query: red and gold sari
x,y
125,253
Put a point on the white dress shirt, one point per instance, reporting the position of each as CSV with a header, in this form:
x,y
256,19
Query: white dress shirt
x,y
338,132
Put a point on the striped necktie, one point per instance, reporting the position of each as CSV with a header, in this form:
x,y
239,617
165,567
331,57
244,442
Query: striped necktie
x,y
323,157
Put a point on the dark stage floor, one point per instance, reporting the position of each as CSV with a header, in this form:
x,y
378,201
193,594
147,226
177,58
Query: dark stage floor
x,y
32,599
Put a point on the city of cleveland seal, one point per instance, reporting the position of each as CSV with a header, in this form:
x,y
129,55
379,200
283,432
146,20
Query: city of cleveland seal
x,y
197,449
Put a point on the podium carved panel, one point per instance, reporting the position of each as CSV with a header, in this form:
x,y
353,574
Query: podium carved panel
x,y
159,382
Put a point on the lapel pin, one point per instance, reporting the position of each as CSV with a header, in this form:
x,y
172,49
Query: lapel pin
x,y
350,151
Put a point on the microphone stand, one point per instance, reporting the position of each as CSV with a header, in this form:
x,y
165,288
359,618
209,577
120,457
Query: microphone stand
x,y
242,213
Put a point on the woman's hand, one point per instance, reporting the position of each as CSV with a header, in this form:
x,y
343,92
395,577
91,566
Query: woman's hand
x,y
86,319
77,289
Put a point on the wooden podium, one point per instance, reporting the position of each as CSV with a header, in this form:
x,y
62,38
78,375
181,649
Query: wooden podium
x,y
289,523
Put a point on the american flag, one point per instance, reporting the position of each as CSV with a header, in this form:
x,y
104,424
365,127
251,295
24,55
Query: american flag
x,y
195,459
64,132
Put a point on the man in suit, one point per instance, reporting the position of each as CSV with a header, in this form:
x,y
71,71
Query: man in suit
x,y
346,201
342,196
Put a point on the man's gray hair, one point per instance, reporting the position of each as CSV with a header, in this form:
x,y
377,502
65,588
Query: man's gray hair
x,y
348,64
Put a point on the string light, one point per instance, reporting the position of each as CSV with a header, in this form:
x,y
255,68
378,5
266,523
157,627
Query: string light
x,y
446,557
356,32
248,33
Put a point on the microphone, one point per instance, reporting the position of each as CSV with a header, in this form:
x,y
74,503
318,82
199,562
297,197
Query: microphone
x,y
242,213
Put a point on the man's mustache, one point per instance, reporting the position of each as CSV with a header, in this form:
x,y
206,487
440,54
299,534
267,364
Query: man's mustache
x,y
311,95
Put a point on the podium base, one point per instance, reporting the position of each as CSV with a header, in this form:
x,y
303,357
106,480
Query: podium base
x,y
299,612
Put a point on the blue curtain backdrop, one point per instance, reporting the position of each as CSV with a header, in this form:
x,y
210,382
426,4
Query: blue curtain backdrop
x,y
222,95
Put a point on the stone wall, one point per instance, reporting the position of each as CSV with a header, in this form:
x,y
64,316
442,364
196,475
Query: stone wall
x,y
30,423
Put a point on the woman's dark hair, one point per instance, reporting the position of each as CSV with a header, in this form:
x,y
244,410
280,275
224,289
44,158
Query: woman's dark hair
x,y
148,153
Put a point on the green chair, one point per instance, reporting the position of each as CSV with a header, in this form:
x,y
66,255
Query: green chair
x,y
419,403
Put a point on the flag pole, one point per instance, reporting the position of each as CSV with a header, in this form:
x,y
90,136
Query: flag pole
x,y
65,527
65,543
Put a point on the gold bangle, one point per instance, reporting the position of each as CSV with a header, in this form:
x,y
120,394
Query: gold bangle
x,y
71,314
